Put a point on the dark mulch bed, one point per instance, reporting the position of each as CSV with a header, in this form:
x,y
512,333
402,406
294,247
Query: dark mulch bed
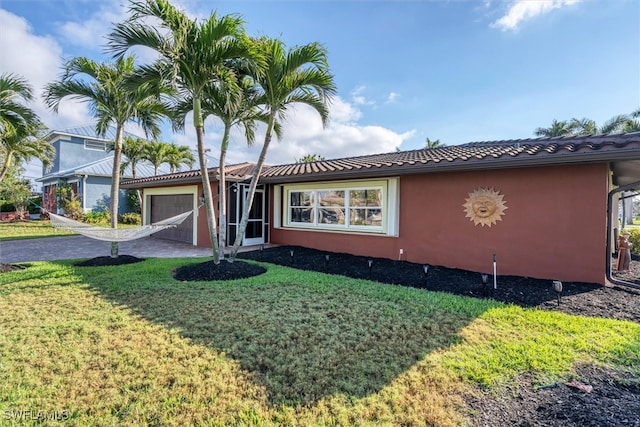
x,y
5,268
614,401
105,261
222,271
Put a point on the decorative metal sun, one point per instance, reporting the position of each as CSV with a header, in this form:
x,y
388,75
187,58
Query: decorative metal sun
x,y
485,206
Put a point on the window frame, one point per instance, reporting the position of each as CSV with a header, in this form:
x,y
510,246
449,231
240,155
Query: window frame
x,y
389,201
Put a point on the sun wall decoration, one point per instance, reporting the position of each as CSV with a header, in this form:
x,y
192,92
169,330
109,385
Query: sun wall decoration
x,y
485,206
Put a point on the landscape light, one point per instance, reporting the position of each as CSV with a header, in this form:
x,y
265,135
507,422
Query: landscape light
x,y
557,287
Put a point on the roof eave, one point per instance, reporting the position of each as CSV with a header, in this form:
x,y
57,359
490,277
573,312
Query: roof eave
x,y
461,166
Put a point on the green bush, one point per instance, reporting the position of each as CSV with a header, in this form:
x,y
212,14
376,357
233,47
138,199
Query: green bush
x,y
130,218
97,217
634,239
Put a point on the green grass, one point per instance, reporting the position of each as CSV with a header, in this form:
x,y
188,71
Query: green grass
x,y
37,229
130,345
29,230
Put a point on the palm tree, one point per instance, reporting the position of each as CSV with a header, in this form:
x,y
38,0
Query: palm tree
x,y
235,105
615,124
429,143
113,99
156,153
583,126
557,128
21,144
633,122
12,113
133,149
178,155
192,55
310,158
299,75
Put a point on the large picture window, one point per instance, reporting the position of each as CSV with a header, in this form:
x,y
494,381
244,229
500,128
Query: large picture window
x,y
357,206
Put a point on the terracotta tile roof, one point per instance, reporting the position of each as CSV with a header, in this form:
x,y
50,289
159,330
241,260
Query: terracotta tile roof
x,y
237,172
474,155
470,156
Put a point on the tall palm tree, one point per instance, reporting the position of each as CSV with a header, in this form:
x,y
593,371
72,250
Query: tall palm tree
x,y
192,55
114,100
633,122
156,153
133,149
236,105
557,128
13,114
178,155
23,143
299,75
583,126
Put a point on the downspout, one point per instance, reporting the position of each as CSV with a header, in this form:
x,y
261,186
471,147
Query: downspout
x,y
610,278
84,193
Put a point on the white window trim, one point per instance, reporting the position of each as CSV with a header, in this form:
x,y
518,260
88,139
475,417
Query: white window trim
x,y
390,206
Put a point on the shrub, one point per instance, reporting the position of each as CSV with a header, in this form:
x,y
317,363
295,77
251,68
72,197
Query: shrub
x,y
130,218
634,239
97,217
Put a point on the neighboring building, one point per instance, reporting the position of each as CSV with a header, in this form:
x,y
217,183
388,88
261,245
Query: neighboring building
x,y
546,208
83,162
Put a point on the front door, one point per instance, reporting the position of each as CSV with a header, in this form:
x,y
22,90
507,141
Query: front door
x,y
254,235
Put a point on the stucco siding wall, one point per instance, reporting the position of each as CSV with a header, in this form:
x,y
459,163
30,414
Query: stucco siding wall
x,y
99,189
554,226
70,152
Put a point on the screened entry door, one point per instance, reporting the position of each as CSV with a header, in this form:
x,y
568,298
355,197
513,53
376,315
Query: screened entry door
x,y
254,235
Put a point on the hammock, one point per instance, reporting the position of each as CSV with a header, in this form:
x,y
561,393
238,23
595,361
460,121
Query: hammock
x,y
116,234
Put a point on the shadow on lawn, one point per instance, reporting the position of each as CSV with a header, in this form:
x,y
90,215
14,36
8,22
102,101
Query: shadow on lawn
x,y
306,341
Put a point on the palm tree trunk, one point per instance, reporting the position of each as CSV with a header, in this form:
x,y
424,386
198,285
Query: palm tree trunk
x,y
222,192
206,184
252,189
5,166
115,186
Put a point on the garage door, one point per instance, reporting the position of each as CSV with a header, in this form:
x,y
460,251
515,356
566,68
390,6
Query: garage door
x,y
165,206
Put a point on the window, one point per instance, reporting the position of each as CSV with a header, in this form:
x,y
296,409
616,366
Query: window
x,y
95,145
357,206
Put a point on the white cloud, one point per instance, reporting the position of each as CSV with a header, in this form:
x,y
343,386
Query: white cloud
x,y
522,10
392,97
41,65
303,134
358,98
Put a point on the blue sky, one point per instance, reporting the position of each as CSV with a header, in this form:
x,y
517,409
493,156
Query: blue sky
x,y
458,71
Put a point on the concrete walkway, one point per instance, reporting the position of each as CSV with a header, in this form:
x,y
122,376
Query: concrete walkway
x,y
74,247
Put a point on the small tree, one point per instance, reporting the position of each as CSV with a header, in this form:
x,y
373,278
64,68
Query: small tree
x,y
69,201
16,191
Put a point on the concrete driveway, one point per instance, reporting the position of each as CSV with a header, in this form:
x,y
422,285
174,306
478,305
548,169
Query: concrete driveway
x,y
74,247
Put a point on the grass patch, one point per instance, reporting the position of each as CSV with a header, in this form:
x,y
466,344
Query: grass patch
x,y
130,345
29,230
39,228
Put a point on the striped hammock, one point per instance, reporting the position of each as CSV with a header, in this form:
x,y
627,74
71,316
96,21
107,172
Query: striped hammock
x,y
116,234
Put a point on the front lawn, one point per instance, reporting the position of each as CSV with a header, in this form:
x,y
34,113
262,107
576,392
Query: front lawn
x,y
131,345
29,230
38,228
